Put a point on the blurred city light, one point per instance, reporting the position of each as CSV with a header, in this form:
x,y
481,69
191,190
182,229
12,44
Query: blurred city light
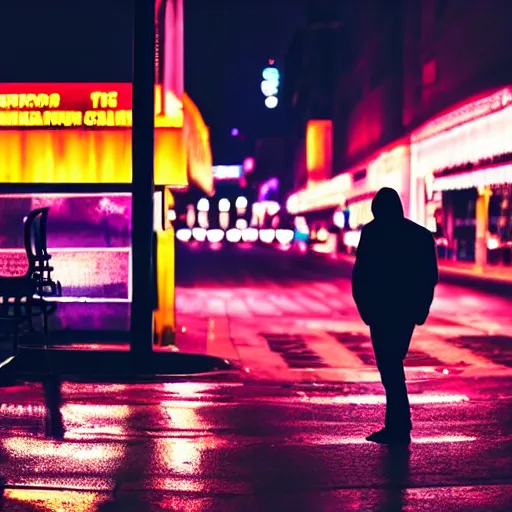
x,y
224,220
224,205
322,235
241,223
267,236
235,132
234,235
199,234
271,74
227,172
284,236
269,88
191,216
271,102
202,219
493,243
248,164
215,235
250,235
271,207
184,234
339,219
203,205
351,239
171,215
241,202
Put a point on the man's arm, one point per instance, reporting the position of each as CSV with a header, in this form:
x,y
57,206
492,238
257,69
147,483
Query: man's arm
x,y
432,270
360,276
430,277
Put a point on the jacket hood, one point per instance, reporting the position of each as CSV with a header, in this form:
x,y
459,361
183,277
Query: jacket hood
x,y
387,206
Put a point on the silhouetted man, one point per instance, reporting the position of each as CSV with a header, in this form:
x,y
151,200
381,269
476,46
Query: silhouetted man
x,y
393,283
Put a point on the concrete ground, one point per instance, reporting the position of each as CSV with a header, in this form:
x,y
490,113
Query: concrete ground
x,y
286,433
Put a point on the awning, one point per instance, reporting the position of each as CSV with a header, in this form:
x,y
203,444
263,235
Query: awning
x,y
488,176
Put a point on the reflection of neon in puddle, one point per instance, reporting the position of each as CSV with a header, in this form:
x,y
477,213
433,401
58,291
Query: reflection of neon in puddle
x,y
82,502
334,440
19,446
371,399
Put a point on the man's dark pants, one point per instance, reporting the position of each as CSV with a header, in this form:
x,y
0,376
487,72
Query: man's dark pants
x,y
390,343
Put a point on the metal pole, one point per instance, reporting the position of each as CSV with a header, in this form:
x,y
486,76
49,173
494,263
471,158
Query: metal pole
x,y
143,106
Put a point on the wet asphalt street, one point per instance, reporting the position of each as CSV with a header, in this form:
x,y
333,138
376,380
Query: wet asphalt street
x,y
286,433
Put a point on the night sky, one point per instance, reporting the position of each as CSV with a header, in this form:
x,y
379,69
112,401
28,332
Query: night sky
x,y
227,44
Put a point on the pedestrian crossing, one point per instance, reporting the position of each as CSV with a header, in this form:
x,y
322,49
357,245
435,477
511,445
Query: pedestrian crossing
x,y
342,352
313,332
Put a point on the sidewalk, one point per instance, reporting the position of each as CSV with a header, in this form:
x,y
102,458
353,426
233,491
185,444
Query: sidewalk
x,y
499,273
492,278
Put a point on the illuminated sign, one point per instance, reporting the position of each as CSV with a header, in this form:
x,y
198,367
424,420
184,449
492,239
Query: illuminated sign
x,y
227,172
73,106
37,110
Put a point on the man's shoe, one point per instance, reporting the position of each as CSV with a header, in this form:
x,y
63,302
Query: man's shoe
x,y
385,436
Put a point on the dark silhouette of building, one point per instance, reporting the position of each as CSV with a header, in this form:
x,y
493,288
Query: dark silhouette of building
x,y
453,50
407,74
309,82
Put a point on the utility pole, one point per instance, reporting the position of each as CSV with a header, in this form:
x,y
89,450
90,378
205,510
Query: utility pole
x,y
143,133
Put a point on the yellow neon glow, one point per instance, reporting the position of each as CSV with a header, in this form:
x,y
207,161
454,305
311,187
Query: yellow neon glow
x,y
318,153
29,100
83,153
83,156
164,317
197,140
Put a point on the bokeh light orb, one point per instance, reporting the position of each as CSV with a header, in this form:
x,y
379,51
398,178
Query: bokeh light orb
x,y
271,102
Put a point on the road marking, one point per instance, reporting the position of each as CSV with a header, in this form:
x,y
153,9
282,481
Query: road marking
x,y
452,355
334,352
218,339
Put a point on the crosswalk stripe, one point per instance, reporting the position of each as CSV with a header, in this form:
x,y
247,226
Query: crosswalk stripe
x,y
334,353
310,304
284,304
237,308
450,354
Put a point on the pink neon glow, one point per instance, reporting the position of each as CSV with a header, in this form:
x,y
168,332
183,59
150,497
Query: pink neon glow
x,y
381,399
234,235
248,164
267,236
465,141
465,114
184,235
250,235
479,178
215,235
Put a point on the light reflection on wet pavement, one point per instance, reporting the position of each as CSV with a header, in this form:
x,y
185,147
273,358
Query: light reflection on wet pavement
x,y
198,446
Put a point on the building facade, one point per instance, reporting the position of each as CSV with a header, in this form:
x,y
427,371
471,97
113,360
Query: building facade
x,y
429,81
